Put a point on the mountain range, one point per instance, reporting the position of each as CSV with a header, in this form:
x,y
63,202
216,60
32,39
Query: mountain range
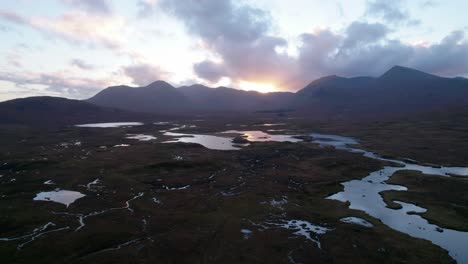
x,y
399,91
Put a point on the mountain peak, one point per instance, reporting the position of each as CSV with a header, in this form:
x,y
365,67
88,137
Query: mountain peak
x,y
160,85
400,73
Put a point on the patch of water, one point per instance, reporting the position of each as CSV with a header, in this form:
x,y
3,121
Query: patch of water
x,y
306,229
247,233
357,221
260,136
140,137
59,196
111,125
208,141
271,124
225,142
36,233
161,123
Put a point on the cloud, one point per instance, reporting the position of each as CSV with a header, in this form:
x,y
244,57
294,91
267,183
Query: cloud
x,y
241,46
91,6
449,57
428,3
390,11
146,7
14,58
210,70
81,64
325,53
57,83
76,27
143,74
238,35
214,19
361,33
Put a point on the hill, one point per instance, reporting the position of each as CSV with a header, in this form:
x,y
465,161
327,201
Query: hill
x,y
59,111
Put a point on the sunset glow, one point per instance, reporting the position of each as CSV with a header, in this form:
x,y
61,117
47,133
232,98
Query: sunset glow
x,y
259,87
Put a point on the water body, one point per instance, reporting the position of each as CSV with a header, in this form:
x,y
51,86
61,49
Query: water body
x,y
357,221
140,137
225,142
208,141
111,125
260,136
306,229
365,195
59,196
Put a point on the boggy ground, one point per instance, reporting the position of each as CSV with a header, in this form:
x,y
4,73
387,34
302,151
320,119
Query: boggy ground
x,y
183,203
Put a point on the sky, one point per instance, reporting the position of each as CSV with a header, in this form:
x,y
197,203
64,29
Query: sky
x,y
75,48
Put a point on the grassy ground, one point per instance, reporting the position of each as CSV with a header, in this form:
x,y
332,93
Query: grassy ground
x,y
228,191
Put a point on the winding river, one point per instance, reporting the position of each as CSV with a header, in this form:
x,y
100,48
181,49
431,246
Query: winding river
x,y
365,195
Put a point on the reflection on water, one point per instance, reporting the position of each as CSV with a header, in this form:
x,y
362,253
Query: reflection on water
x,y
59,196
108,125
140,137
259,136
208,141
225,142
356,221
365,195
270,124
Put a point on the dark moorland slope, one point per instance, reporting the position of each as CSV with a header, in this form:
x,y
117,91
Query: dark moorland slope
x,y
48,111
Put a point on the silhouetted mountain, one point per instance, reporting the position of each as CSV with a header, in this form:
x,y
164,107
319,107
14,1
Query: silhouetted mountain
x,y
404,75
161,97
227,99
158,97
398,91
58,111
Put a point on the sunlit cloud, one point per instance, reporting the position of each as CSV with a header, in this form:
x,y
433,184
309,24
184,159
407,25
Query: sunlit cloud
x,y
77,27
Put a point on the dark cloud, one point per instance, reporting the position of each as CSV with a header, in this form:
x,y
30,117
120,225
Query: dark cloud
x,y
143,74
239,36
91,6
325,53
449,57
81,64
214,19
210,71
360,33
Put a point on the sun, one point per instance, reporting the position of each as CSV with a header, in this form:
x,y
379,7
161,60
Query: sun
x,y
258,87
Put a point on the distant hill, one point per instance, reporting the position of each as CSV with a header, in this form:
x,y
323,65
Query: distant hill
x,y
158,97
161,97
398,91
227,99
59,111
